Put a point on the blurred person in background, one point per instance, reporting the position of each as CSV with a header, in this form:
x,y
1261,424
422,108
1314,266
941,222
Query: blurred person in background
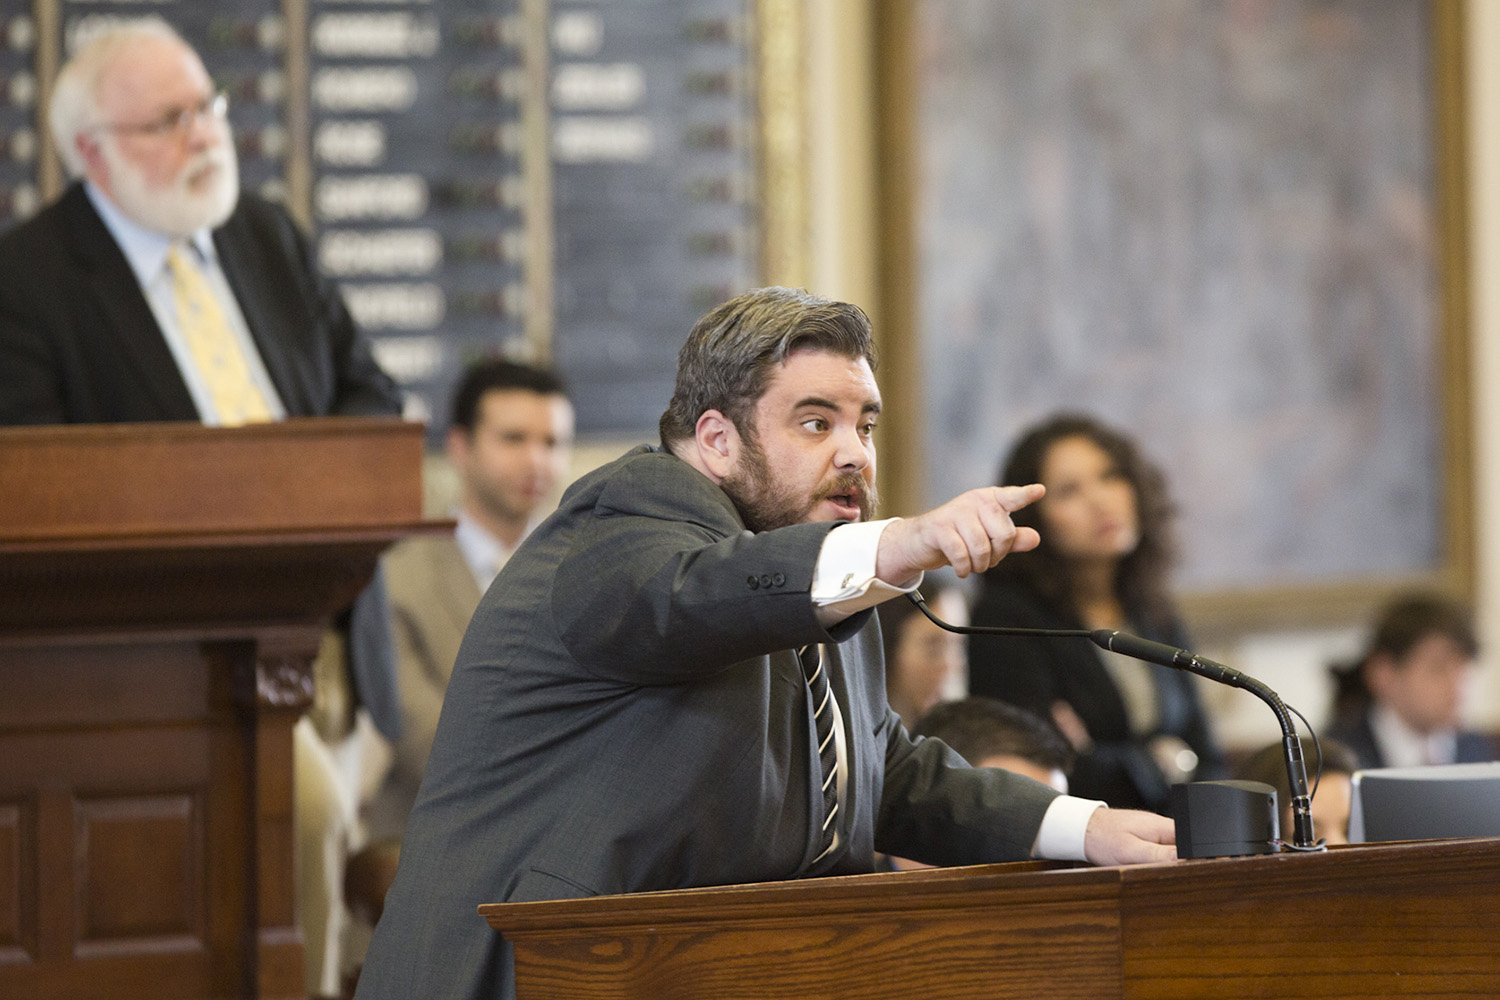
x,y
1332,795
924,664
1138,727
1400,704
990,733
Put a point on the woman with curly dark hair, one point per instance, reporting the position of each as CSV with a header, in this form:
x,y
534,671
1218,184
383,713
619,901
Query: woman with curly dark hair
x,y
1102,563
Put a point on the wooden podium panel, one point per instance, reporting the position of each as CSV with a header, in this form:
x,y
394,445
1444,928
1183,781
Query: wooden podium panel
x,y
1396,920
119,481
1420,919
163,591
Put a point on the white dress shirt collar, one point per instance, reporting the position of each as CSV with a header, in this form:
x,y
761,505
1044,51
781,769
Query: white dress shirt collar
x,y
1403,746
483,553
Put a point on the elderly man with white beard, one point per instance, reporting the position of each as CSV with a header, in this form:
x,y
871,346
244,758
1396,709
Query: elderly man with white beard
x,y
105,292
153,290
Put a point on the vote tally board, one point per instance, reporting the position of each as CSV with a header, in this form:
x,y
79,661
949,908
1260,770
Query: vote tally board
x,y
564,180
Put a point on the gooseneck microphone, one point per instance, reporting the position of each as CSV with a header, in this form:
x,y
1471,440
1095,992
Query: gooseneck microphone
x,y
1180,659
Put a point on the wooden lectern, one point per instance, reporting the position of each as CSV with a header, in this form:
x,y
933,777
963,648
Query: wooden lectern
x,y
1388,920
163,590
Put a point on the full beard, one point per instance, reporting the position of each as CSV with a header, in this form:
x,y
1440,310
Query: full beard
x,y
181,208
765,504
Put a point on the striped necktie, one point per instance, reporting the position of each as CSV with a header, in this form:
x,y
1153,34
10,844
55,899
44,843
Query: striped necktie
x,y
215,350
825,713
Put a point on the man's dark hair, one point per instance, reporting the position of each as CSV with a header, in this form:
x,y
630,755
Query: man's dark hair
x,y
498,374
1405,621
1413,617
977,728
1268,764
728,359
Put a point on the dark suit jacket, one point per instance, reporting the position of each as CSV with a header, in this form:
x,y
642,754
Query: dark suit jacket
x,y
1035,672
627,714
1472,748
79,344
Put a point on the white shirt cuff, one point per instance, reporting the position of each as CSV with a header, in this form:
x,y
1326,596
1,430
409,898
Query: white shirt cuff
x,y
1060,837
844,580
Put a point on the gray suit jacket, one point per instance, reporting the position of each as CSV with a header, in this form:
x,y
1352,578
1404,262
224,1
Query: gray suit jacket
x,y
627,714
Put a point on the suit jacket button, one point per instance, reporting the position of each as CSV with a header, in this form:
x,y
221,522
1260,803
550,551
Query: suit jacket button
x,y
753,582
778,579
765,579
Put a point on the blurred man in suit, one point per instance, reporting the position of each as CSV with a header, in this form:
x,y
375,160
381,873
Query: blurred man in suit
x,y
677,680
1401,704
153,289
509,439
101,308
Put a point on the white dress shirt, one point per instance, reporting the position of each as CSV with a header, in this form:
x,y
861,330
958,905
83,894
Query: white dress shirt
x,y
1403,746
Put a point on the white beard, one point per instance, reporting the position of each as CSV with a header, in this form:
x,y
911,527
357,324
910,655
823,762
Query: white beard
x,y
176,209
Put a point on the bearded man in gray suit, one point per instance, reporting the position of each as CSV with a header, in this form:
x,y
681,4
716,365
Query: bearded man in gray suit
x,y
677,680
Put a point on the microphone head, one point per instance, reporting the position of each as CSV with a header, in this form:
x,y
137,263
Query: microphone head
x,y
1142,649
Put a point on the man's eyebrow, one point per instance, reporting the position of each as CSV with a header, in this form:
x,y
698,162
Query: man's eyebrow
x,y
873,406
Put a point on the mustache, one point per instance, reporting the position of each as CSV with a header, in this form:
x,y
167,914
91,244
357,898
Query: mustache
x,y
844,484
218,158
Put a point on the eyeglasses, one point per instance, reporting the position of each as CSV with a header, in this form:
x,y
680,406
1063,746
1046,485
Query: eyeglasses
x,y
177,123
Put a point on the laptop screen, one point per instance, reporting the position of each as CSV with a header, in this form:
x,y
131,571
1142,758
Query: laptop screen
x,y
1424,803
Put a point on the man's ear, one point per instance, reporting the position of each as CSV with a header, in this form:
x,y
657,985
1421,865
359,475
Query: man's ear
x,y
458,446
1379,672
94,166
716,445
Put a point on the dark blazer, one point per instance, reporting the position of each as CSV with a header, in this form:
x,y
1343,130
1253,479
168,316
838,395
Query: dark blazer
x,y
1035,672
1472,748
627,714
79,344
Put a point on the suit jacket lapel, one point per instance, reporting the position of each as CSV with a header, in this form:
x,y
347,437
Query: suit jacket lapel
x,y
131,330
257,301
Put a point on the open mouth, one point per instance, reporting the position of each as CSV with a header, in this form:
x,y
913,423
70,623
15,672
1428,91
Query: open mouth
x,y
203,177
848,502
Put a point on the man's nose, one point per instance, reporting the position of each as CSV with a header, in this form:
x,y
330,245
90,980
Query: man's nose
x,y
542,455
853,451
203,130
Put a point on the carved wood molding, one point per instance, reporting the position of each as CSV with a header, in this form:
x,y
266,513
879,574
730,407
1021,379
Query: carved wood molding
x,y
276,675
284,682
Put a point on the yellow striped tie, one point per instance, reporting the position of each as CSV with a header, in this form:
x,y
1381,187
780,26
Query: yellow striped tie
x,y
216,352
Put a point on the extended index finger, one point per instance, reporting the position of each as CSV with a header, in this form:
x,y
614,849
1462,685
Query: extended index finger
x,y
1013,498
